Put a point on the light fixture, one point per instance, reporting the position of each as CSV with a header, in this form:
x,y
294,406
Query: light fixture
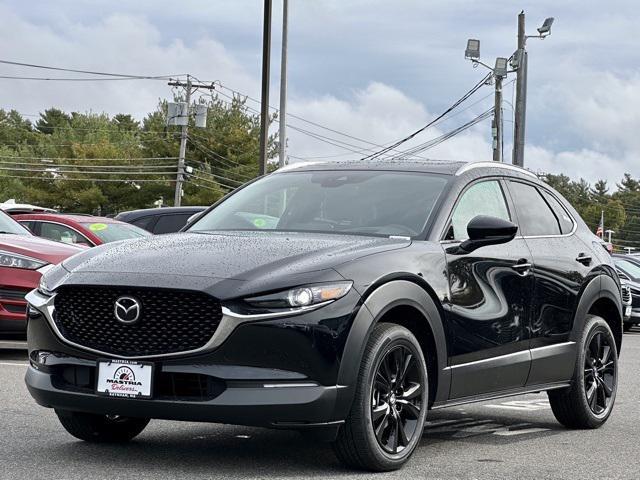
x,y
545,29
473,49
500,70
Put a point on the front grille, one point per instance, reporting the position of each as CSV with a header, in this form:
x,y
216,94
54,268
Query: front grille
x,y
171,321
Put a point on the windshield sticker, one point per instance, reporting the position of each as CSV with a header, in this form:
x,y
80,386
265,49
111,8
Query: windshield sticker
x,y
97,227
260,222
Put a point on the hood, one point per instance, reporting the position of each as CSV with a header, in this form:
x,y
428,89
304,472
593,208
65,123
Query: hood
x,y
229,255
38,248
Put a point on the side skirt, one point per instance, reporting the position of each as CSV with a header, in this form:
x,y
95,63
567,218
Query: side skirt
x,y
502,394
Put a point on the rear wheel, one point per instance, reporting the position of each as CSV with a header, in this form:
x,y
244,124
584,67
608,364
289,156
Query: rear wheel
x,y
386,421
589,400
101,428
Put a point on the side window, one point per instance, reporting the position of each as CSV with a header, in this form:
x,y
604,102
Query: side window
x,y
171,223
566,223
60,233
483,198
144,222
28,224
535,217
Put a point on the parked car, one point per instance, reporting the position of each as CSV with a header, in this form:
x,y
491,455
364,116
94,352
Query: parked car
x,y
23,258
341,299
160,220
11,207
628,268
79,229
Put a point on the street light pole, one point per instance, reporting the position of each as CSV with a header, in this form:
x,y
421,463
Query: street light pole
x,y
264,110
283,85
497,119
521,95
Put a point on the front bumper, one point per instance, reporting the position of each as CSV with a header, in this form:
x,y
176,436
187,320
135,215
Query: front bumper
x,y
251,403
15,283
279,373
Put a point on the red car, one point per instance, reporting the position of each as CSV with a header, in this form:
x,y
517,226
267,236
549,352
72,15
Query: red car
x,y
83,230
22,258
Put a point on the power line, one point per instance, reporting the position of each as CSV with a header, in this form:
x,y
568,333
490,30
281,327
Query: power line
x,y
122,167
446,136
56,171
474,89
59,79
89,72
136,180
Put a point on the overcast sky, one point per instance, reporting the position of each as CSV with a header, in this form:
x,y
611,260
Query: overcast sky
x,y
373,69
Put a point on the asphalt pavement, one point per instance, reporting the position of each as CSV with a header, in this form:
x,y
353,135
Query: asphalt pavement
x,y
511,438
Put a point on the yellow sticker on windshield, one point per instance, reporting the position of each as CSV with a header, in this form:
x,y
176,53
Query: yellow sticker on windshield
x,y
260,222
97,227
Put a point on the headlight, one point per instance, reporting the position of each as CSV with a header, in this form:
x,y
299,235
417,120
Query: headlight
x,y
15,260
302,296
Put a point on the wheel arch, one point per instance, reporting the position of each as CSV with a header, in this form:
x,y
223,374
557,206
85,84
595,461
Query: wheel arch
x,y
407,303
600,297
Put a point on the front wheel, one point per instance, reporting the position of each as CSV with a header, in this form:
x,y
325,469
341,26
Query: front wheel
x,y
101,428
387,417
589,400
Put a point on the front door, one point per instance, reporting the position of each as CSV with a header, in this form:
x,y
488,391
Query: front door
x,y
489,300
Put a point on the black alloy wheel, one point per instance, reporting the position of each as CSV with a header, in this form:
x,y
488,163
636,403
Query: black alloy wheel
x,y
588,401
396,399
599,373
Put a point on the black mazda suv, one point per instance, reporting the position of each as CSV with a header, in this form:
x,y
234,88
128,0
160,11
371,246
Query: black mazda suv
x,y
344,300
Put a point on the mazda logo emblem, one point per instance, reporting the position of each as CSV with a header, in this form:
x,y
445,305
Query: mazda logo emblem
x,y
127,309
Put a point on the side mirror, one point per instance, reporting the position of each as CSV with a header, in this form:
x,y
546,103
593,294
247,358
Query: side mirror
x,y
484,230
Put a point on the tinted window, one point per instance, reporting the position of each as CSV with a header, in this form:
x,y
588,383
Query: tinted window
x,y
171,223
483,198
534,215
362,202
60,233
144,222
566,224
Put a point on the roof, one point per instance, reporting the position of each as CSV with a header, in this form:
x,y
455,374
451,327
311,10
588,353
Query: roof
x,y
63,217
10,206
446,167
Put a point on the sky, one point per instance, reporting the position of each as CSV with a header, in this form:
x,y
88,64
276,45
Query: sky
x,y
375,70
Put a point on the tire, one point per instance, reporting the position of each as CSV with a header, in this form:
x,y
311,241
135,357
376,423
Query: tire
x,y
400,406
101,428
575,407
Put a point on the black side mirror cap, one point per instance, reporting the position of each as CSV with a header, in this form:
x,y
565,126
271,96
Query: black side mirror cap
x,y
485,230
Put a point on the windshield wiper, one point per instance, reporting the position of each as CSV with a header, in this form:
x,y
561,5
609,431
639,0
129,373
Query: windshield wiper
x,y
8,233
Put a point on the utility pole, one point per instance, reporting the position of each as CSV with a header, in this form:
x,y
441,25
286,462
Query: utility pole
x,y
521,95
264,110
497,120
189,86
283,85
177,199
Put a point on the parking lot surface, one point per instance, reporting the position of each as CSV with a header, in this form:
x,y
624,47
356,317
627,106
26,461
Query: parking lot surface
x,y
510,438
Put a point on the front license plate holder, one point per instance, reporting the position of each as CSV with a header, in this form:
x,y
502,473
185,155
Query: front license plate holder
x,y
124,378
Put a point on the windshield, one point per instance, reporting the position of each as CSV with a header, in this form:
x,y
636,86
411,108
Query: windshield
x,y
630,268
111,232
361,202
9,225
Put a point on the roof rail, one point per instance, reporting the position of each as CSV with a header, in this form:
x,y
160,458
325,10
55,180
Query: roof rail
x,y
472,165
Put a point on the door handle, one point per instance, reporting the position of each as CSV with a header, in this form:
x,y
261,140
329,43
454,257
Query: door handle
x,y
522,267
584,259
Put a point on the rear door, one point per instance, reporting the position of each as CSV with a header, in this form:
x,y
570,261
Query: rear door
x,y
561,263
490,298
